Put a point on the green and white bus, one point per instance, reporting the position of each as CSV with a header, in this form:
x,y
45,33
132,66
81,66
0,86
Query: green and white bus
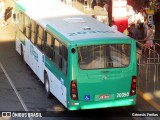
x,y
82,62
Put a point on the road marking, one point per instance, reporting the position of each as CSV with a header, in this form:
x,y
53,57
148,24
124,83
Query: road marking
x,y
15,90
149,100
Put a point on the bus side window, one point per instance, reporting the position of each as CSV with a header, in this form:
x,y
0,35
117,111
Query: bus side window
x,y
60,54
65,59
21,22
33,31
40,37
15,17
56,52
27,26
49,45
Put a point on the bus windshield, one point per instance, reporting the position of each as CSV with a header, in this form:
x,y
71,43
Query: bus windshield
x,y
104,56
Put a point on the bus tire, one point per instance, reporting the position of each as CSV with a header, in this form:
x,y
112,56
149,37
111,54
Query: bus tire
x,y
47,86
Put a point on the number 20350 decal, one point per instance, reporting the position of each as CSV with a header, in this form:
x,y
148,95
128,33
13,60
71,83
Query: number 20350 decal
x,y
120,95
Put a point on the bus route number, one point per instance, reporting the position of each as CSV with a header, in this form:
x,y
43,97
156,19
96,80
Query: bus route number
x,y
120,95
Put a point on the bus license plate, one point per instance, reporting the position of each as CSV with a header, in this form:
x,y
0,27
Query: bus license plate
x,y
103,96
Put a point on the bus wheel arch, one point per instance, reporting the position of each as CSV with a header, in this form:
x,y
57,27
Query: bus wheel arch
x,y
47,85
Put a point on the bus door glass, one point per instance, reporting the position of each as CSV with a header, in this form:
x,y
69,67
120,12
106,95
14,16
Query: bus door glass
x,y
39,55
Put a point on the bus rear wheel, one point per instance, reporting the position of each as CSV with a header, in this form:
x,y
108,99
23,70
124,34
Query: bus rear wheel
x,y
47,86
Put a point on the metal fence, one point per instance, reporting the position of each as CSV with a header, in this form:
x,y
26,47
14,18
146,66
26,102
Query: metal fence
x,y
148,62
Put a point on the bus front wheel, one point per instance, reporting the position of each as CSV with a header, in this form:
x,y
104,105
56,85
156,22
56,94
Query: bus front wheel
x,y
47,86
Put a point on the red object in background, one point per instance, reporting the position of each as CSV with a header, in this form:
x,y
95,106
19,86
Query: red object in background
x,y
119,14
121,22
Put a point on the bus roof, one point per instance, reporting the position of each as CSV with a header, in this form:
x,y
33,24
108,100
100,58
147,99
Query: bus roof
x,y
66,21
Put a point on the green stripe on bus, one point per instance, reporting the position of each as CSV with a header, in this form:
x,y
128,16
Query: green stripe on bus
x,y
20,7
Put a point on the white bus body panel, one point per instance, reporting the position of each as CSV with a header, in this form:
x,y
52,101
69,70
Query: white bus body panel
x,y
35,59
57,88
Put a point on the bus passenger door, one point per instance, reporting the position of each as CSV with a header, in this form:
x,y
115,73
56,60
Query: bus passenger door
x,y
33,57
40,66
39,53
37,61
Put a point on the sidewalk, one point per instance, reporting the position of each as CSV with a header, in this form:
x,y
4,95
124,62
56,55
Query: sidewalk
x,y
7,33
80,6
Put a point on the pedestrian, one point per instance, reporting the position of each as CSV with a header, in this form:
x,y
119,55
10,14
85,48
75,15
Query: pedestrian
x,y
105,15
2,13
128,32
141,16
149,38
98,2
145,27
105,6
136,34
98,10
